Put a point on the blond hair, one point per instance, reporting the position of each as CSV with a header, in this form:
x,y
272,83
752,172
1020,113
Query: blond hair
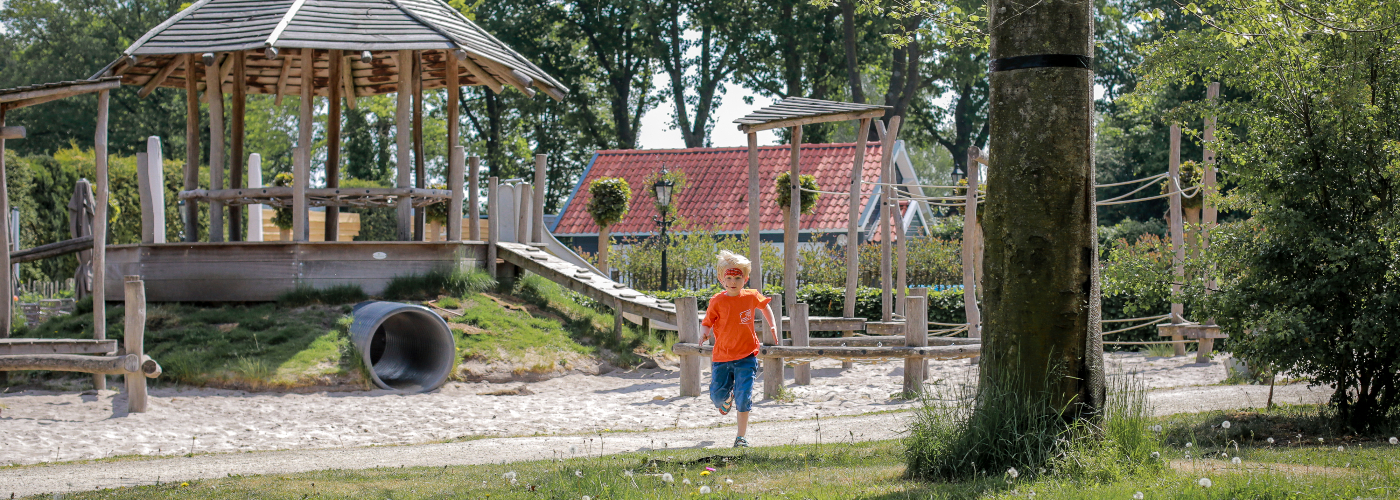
x,y
727,260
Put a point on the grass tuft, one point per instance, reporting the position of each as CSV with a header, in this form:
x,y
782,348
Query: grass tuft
x,y
434,283
305,295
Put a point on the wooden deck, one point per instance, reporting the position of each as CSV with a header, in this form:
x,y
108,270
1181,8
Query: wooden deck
x,y
260,271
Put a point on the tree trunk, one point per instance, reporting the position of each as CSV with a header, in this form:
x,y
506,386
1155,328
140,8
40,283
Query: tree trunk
x,y
1041,326
848,35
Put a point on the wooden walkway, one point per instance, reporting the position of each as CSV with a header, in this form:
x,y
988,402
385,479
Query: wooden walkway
x,y
578,279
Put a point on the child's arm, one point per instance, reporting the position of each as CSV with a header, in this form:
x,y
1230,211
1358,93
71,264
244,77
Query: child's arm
x,y
705,333
772,324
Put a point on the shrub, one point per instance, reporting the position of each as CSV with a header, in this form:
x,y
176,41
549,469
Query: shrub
x,y
609,199
782,187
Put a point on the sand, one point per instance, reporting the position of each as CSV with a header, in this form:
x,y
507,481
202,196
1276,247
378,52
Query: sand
x,y
51,427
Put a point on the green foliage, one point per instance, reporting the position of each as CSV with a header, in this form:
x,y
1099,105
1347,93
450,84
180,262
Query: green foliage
x,y
1308,137
434,283
437,212
782,187
283,216
609,198
305,295
678,185
376,223
1140,273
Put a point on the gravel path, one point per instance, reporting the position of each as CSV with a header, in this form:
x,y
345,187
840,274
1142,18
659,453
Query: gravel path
x,y
80,476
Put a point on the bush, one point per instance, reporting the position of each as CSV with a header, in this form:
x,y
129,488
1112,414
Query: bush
x,y
782,187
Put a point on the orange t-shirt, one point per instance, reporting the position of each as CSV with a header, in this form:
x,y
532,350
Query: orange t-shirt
x,y
732,320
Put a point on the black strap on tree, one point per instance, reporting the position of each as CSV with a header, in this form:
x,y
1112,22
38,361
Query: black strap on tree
x,y
1042,61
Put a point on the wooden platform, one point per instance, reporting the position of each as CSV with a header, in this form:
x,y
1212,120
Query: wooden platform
x,y
260,271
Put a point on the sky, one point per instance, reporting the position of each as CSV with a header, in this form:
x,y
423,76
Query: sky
x,y
658,133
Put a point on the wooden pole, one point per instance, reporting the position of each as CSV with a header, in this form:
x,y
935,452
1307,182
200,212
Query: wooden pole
x,y
537,211
454,182
191,222
236,141
99,231
853,220
755,239
1177,234
255,222
302,178
901,246
493,223
969,246
474,198
688,330
886,188
773,367
802,373
920,292
214,94
420,175
334,90
454,139
790,224
133,338
404,144
524,219
155,178
915,335
6,282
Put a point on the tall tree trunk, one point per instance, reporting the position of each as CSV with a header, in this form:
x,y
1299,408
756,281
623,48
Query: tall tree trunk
x,y
848,32
1042,295
604,241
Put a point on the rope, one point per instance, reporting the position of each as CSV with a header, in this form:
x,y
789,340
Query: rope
x,y
913,185
834,193
1134,181
1183,193
1157,322
1135,319
1129,193
1150,343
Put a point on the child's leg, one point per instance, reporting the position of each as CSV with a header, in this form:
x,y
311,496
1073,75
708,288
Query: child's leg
x,y
744,371
721,383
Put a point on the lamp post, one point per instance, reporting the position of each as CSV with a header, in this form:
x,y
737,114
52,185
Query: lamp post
x,y
662,188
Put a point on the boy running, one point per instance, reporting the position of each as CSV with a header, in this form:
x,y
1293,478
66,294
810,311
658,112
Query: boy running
x,y
729,319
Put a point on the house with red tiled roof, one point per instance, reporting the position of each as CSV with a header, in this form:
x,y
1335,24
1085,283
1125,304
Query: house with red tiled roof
x,y
717,186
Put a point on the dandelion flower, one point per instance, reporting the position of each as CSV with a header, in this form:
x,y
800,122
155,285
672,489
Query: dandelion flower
x,y
1225,424
1341,448
1188,444
666,478
509,476
728,481
586,497
1235,460
184,484
704,473
1393,440
1204,482
1271,440
685,480
704,490
1188,455
1013,473
1137,496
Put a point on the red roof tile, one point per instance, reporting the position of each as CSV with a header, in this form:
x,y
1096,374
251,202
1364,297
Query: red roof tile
x,y
717,187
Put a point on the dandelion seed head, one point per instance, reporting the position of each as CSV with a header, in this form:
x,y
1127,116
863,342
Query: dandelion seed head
x,y
728,481
1156,455
627,473
509,476
1341,448
1013,473
1393,440
1235,460
1137,496
685,480
586,497
666,478
1188,445
1319,440
1225,424
1204,482
578,473
704,490
1271,440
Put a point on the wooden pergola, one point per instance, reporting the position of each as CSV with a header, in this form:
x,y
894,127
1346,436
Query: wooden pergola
x,y
794,112
336,49
22,97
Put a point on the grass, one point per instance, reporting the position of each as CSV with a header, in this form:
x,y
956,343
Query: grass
x,y
305,295
867,470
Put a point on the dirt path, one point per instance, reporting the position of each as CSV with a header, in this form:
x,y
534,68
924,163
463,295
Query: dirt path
x,y
80,476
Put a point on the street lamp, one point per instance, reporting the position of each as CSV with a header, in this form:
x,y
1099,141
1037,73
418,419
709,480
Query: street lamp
x,y
662,188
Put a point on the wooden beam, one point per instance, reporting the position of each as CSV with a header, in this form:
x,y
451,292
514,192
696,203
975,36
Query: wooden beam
x,y
55,249
305,119
159,78
454,141
886,181
133,338
456,157
237,138
474,198
282,78
1175,226
337,68
969,247
793,219
191,222
30,97
13,132
100,366
5,281
403,144
481,75
506,76
688,331
420,177
755,240
214,95
348,81
915,336
99,229
808,120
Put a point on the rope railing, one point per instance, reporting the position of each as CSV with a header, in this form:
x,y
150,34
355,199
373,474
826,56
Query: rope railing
x,y
1120,330
1191,190
1134,181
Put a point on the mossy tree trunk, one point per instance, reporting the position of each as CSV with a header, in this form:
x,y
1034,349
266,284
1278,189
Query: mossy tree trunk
x,y
1042,286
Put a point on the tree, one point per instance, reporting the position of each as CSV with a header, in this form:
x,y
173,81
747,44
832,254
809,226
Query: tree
x,y
726,33
620,51
794,57
1309,148
782,188
609,198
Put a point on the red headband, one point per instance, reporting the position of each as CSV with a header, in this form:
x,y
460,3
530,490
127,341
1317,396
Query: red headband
x,y
734,271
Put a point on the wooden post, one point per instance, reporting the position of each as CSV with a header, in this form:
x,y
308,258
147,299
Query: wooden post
x,y
7,281
133,338
420,174
404,144
853,228
773,367
334,90
688,330
99,232
191,222
493,223
901,247
969,246
794,216
886,187
454,182
537,211
755,239
155,192
1177,234
302,176
915,335
236,140
214,94
255,222
617,319
524,220
474,198
802,373
920,292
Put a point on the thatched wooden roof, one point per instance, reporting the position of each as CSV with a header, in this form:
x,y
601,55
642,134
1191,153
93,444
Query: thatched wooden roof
x,y
802,111
380,28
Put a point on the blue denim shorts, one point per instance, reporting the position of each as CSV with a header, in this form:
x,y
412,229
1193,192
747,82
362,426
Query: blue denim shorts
x,y
736,378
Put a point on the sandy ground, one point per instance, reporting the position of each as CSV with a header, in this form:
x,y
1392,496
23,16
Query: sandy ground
x,y
331,430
